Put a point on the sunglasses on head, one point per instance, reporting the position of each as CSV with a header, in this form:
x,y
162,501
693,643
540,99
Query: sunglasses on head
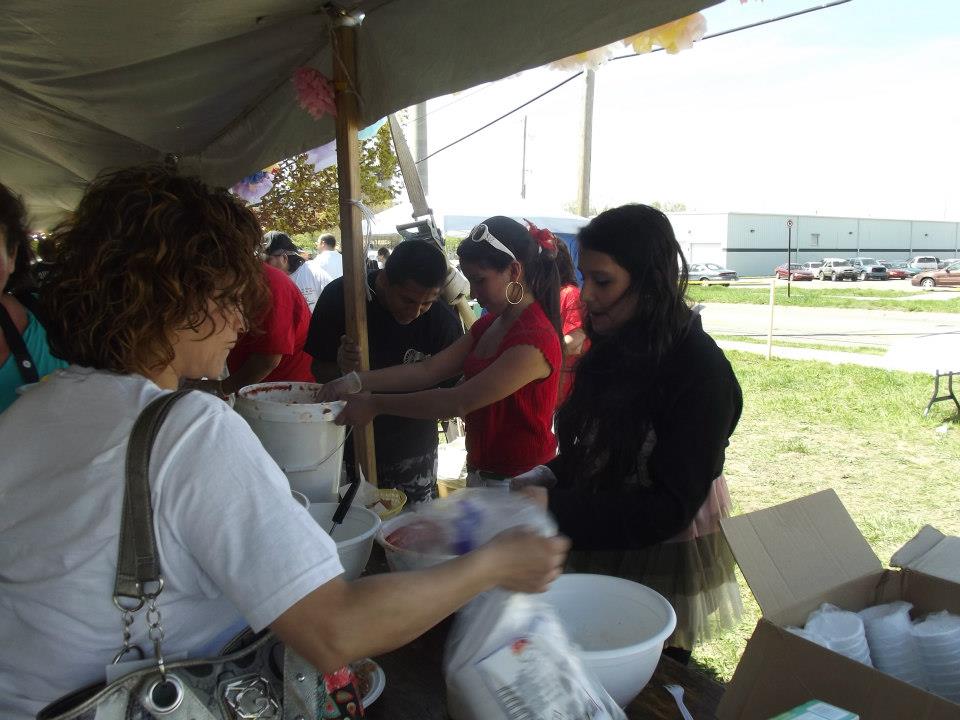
x,y
481,233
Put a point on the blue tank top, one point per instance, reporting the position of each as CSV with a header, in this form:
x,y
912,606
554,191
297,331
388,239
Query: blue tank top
x,y
35,338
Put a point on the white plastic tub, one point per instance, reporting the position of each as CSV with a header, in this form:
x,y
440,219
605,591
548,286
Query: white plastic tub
x,y
298,432
620,627
401,559
354,536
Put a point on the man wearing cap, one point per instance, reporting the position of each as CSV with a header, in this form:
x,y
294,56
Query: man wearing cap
x,y
404,325
327,256
284,255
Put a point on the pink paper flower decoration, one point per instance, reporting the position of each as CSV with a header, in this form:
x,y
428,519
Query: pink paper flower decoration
x,y
314,92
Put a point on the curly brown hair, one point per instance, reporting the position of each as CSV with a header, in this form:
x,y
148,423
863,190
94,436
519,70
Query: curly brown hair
x,y
143,255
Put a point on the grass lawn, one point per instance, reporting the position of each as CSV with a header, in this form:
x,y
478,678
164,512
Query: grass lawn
x,y
823,297
808,426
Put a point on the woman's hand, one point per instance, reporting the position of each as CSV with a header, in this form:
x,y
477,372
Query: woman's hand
x,y
523,561
340,388
540,476
538,495
359,410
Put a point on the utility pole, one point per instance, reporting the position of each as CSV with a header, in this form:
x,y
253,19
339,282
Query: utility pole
x,y
420,123
523,165
583,197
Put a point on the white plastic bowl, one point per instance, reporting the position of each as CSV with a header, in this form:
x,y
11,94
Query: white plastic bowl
x,y
620,627
401,559
354,536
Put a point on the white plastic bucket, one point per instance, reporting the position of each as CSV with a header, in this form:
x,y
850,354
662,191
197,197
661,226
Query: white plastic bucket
x,y
354,536
298,432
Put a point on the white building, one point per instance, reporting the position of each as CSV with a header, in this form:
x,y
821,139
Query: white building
x,y
754,244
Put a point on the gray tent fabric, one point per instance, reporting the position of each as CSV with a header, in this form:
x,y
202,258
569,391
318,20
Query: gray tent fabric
x,y
92,84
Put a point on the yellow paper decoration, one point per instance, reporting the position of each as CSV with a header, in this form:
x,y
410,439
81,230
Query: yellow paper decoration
x,y
581,61
673,36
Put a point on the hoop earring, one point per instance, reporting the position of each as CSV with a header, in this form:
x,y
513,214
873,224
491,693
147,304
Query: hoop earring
x,y
507,292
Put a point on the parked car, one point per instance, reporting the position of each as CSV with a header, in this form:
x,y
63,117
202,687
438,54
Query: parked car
x,y
948,277
710,271
896,271
836,269
924,262
868,269
813,267
948,262
797,272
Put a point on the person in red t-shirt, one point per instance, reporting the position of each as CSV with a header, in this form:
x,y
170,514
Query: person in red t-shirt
x,y
510,359
274,350
575,342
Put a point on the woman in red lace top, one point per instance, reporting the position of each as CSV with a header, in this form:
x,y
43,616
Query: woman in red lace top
x,y
510,359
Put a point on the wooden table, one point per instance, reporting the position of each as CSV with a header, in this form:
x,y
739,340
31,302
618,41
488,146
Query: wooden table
x,y
416,690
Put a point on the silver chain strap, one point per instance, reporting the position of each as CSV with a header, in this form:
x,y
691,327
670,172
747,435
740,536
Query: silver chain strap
x,y
128,616
155,632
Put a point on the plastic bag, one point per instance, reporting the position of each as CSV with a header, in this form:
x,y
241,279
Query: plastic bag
x,y
468,519
507,656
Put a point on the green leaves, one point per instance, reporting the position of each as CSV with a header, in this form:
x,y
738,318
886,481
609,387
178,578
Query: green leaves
x,y
303,200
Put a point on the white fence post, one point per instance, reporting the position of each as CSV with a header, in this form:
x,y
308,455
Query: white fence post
x,y
773,286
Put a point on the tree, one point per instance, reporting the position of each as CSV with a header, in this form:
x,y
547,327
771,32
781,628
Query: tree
x,y
669,206
303,200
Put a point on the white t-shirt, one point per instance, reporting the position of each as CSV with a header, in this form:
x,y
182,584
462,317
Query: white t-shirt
x,y
311,279
233,544
331,261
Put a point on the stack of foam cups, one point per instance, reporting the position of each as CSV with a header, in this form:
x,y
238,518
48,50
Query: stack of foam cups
x,y
841,631
938,644
892,645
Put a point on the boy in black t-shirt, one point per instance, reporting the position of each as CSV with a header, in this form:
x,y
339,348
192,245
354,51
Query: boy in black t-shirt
x,y
404,324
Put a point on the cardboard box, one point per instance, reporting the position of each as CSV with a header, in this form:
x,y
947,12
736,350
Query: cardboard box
x,y
806,552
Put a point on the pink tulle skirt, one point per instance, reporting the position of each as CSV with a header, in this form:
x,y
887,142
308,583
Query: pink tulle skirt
x,y
694,570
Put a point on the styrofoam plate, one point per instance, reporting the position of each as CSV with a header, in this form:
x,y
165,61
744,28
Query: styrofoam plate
x,y
378,681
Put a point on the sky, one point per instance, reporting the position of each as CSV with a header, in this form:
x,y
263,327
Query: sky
x,y
852,111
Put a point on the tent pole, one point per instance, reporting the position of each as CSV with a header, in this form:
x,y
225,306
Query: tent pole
x,y
351,234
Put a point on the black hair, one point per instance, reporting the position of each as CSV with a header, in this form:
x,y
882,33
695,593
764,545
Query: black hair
x,y
616,380
13,219
329,240
419,261
568,276
383,252
279,241
539,267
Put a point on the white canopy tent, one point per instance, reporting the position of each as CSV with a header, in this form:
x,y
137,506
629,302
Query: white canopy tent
x,y
457,220
89,85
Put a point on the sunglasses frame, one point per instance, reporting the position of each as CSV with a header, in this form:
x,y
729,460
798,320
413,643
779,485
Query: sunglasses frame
x,y
481,233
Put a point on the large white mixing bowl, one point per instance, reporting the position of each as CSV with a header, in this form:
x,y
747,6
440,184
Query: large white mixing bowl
x,y
620,627
354,536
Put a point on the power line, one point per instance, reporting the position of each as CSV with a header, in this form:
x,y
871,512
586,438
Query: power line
x,y
559,85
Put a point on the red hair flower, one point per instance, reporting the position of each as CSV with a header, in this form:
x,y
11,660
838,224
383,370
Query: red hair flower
x,y
545,239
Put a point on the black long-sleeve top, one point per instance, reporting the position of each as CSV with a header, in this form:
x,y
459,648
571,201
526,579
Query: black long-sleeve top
x,y
696,408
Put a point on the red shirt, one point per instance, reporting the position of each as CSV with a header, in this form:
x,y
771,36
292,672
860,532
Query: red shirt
x,y
283,331
514,434
571,318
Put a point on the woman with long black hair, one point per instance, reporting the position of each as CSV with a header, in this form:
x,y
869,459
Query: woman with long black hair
x,y
510,359
638,484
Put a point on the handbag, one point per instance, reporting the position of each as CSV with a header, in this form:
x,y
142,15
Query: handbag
x,y
255,678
